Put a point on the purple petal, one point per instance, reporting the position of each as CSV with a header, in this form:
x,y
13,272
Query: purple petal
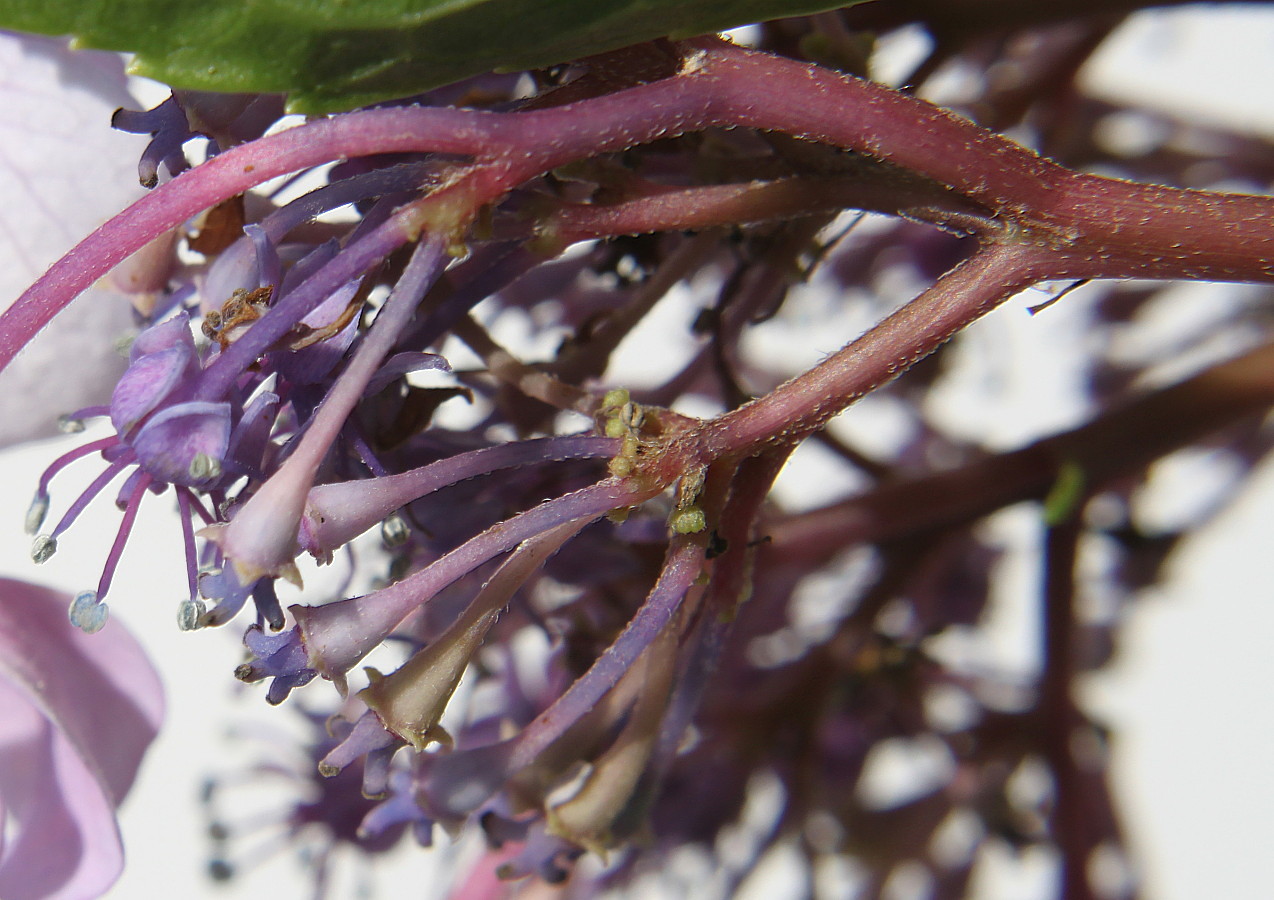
x,y
173,332
76,715
278,656
185,443
402,364
250,440
167,124
65,842
222,586
144,386
312,364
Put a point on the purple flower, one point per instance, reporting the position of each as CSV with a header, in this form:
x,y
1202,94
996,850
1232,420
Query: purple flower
x,y
592,626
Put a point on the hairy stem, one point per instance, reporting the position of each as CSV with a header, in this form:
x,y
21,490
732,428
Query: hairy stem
x,y
1113,229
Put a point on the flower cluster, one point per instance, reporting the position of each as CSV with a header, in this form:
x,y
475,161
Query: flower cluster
x,y
587,625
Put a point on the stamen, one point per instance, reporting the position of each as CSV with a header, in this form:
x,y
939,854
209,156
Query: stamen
x,y
204,468
190,613
87,612
36,512
69,517
188,542
394,531
121,538
197,505
71,456
43,548
88,412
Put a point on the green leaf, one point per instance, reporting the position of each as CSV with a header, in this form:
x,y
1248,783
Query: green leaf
x,y
337,54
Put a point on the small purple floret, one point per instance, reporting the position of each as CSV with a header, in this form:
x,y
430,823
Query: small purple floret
x,y
367,736
279,656
167,125
397,809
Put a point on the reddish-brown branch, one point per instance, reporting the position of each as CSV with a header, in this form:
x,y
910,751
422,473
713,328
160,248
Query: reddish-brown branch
x,y
1058,716
1120,442
679,209
794,409
1097,227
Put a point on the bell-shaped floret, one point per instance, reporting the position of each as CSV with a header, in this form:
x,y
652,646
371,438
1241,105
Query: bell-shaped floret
x,y
277,656
595,815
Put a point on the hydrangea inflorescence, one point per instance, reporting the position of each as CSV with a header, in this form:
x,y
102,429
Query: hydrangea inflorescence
x,y
272,389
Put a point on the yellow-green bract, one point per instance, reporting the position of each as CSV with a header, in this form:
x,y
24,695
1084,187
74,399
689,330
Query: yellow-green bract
x,y
337,54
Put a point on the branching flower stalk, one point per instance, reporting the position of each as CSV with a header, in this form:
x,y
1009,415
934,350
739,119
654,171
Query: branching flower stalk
x,y
299,425
1199,231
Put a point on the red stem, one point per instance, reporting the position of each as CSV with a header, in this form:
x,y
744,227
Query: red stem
x,y
1114,445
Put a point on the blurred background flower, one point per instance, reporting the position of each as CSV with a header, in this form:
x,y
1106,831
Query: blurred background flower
x,y
77,712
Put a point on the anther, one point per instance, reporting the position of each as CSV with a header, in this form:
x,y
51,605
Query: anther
x,y
204,468
44,547
36,512
68,425
394,531
190,615
86,613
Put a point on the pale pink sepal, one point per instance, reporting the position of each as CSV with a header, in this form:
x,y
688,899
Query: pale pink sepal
x,y
77,713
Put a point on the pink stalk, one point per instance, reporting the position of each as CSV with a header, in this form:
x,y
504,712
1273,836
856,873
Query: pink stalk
x,y
337,635
682,567
803,404
121,537
1211,235
338,512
